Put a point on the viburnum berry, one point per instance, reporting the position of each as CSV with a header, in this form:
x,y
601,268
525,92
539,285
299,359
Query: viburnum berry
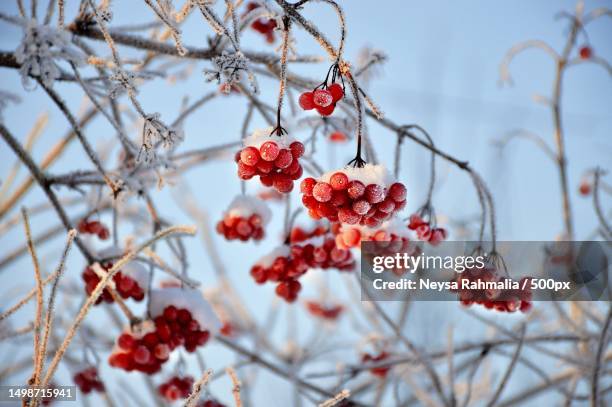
x,y
585,52
424,231
287,263
342,196
148,346
585,188
326,312
264,26
508,299
87,380
376,371
93,227
129,283
322,98
336,91
306,101
176,388
338,137
274,159
245,219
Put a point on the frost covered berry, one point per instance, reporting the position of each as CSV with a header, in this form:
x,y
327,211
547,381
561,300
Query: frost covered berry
x,y
274,159
245,219
322,98
424,230
93,227
336,91
504,300
306,101
126,285
354,196
176,388
264,26
376,371
87,380
147,346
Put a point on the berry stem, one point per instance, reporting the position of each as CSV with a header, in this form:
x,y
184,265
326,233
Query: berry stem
x,y
358,161
283,75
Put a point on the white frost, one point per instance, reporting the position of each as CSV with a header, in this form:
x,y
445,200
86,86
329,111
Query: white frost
x,y
187,298
267,260
246,205
368,174
260,136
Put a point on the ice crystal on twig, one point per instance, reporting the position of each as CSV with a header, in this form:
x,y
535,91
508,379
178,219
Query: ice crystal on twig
x,y
39,50
229,69
125,81
155,132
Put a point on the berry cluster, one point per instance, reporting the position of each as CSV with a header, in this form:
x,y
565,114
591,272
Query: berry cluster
x,y
376,371
503,301
147,351
126,286
88,380
275,161
343,196
323,100
283,267
324,311
93,227
264,26
176,388
424,231
286,264
245,219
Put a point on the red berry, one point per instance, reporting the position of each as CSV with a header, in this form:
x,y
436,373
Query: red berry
x,y
284,159
348,216
142,355
386,206
337,137
397,192
297,149
126,341
307,185
326,111
245,171
322,98
586,52
283,184
339,181
269,151
307,101
335,89
249,155
374,193
264,167
355,189
170,313
361,207
322,192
